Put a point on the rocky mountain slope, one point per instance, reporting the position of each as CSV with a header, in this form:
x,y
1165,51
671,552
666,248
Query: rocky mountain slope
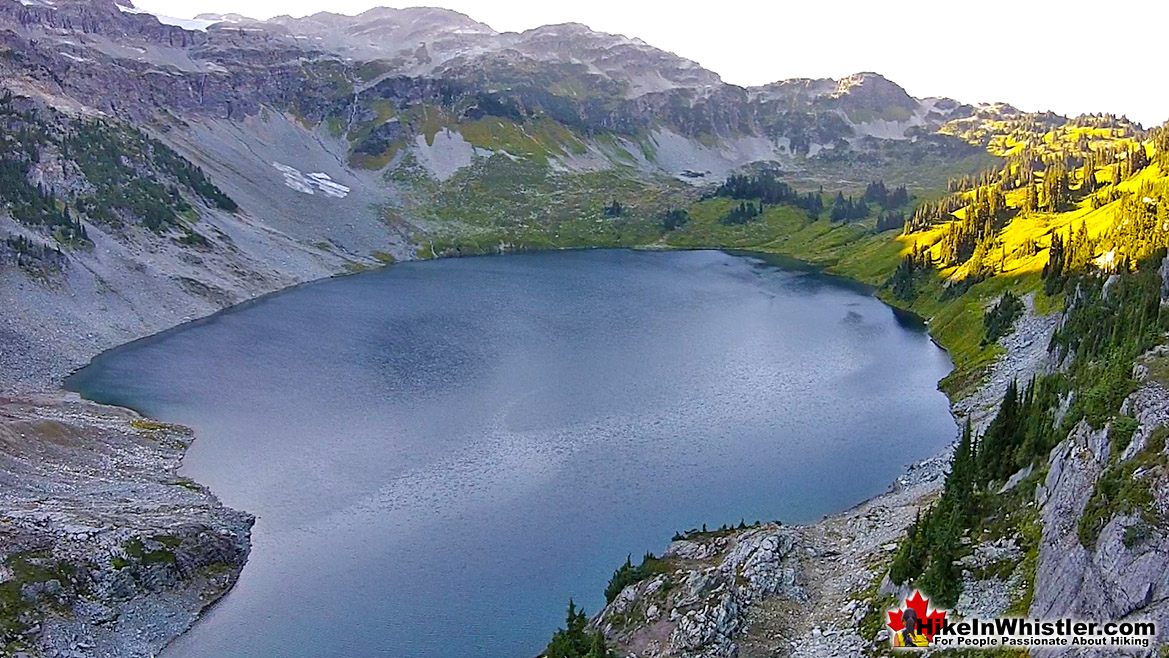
x,y
155,170
106,550
826,591
1056,507
823,589
331,143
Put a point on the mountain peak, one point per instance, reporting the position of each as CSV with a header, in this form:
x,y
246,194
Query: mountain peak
x,y
869,82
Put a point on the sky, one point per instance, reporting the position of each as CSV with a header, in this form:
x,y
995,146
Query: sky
x,y
1070,56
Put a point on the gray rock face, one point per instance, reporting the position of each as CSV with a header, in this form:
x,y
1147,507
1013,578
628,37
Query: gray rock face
x,y
1026,356
112,552
699,608
985,598
1115,578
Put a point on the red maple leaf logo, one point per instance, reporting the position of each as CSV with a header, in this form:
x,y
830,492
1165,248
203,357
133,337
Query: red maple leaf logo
x,y
920,605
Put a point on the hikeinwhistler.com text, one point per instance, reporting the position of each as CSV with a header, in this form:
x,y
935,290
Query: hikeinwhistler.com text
x,y
1022,633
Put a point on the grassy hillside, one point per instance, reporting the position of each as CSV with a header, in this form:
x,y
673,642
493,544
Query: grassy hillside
x,y
1073,205
1093,186
950,266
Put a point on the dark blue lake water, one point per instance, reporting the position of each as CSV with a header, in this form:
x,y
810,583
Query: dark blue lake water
x,y
440,454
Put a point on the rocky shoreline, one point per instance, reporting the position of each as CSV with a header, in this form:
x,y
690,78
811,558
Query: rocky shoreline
x,y
107,551
813,590
120,508
122,555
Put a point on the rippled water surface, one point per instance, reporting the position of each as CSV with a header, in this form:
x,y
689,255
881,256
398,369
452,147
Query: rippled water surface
x,y
440,454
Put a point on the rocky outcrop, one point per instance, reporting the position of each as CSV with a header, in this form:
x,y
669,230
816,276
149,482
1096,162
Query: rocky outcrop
x,y
1025,356
698,606
770,590
832,603
104,549
1124,574
986,592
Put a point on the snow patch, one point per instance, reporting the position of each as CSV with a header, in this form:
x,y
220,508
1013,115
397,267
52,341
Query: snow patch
x,y
312,183
39,3
326,185
189,24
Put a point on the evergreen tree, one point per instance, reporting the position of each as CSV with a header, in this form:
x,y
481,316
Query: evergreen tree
x,y
675,219
995,457
767,189
1089,181
847,209
745,212
575,640
1053,271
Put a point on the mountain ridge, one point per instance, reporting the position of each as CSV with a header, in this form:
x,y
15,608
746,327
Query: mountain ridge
x,y
152,173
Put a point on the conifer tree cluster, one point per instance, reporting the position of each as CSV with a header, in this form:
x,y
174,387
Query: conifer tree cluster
x,y
129,177
1159,137
964,240
928,214
742,213
1142,221
1088,181
1067,255
1000,319
627,574
1055,192
889,220
931,545
1120,325
575,640
1135,160
967,182
846,209
890,203
877,193
767,189
1022,431
30,254
36,206
903,282
1120,125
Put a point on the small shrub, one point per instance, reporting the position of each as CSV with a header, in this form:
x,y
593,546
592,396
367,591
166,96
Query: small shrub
x,y
1118,491
1136,534
1120,435
627,574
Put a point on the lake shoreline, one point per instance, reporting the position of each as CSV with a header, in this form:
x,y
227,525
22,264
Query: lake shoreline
x,y
822,584
256,299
